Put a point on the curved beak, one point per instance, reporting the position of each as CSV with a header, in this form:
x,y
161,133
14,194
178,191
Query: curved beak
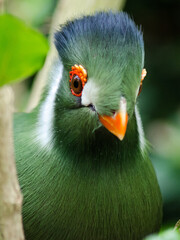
x,y
117,123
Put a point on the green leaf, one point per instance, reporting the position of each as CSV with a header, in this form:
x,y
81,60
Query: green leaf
x,y
169,234
22,50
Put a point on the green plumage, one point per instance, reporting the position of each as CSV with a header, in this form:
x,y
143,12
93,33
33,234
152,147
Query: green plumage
x,y
84,183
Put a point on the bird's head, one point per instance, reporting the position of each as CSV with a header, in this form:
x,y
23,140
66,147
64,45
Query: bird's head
x,y
102,58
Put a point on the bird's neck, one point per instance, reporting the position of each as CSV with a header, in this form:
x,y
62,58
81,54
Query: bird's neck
x,y
100,149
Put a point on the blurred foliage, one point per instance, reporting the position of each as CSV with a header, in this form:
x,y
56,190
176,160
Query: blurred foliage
x,y
22,50
34,12
166,159
169,234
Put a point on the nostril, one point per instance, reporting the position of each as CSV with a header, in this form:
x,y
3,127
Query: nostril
x,y
92,107
113,112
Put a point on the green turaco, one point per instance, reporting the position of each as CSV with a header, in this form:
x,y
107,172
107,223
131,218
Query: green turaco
x,y
81,155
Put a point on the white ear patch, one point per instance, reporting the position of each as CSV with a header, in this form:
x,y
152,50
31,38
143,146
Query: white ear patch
x,y
90,93
46,114
140,130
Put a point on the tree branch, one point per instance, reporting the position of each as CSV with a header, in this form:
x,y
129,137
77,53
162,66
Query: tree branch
x,y
1,6
10,196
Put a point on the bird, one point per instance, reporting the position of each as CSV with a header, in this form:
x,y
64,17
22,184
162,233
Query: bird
x,y
82,157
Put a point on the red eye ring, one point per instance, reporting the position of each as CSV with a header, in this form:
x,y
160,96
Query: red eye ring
x,y
80,73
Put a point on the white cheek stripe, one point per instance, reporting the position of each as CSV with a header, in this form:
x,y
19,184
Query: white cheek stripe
x,y
140,129
46,114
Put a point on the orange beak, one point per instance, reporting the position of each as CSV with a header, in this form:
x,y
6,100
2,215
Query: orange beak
x,y
116,124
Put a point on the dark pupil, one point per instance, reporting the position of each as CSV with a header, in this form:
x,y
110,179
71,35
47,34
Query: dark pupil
x,y
76,83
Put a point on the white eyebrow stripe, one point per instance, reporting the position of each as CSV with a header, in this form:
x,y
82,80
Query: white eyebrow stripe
x,y
44,131
140,130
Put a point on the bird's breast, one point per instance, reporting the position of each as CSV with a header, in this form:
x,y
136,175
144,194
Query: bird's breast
x,y
113,202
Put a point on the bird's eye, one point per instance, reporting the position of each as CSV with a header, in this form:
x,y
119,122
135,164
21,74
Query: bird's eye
x,y
76,85
143,74
78,78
